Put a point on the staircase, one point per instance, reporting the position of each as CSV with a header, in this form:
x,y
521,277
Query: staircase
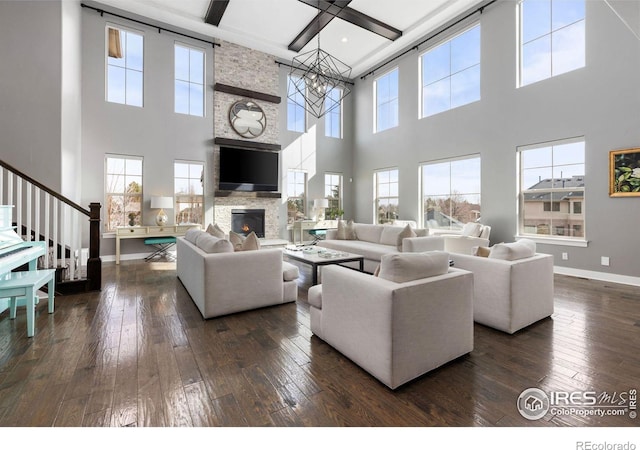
x,y
72,233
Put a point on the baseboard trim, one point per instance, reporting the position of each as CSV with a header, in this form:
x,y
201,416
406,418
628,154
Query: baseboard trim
x,y
594,275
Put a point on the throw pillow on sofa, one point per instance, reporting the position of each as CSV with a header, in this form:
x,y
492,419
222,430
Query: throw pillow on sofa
x,y
243,243
346,230
471,229
407,232
215,230
403,267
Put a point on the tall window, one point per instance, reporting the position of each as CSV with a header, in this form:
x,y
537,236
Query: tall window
x,y
125,62
552,38
552,181
386,200
451,73
333,118
123,178
295,105
450,192
296,195
189,82
189,191
333,193
385,91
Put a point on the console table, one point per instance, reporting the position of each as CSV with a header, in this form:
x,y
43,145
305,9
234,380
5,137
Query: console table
x,y
299,227
145,232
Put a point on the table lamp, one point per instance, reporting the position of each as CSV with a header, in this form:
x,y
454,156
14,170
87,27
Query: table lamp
x,y
320,204
159,202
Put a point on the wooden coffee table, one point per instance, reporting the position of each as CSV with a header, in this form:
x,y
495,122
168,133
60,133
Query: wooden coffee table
x,y
315,259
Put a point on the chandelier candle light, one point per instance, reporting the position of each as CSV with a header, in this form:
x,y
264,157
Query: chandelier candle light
x,y
317,77
159,202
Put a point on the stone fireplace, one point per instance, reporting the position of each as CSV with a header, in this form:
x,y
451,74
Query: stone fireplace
x,y
244,221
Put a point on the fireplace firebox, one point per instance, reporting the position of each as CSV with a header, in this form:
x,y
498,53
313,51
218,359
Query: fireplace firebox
x,y
244,221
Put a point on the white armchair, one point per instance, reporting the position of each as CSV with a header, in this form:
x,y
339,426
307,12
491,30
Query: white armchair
x,y
472,235
396,331
510,294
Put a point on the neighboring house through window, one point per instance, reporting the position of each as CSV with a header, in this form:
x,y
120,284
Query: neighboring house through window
x,y
385,93
386,195
189,192
123,191
451,73
552,38
189,80
296,195
125,62
450,192
552,189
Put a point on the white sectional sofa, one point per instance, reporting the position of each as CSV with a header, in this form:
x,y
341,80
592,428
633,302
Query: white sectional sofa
x,y
223,281
513,285
400,324
373,241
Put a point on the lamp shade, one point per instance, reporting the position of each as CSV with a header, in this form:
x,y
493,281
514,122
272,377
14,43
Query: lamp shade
x,y
159,202
321,203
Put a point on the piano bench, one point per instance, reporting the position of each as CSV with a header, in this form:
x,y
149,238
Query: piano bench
x,y
26,284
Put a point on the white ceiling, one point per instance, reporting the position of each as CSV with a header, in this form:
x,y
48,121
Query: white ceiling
x,y
270,25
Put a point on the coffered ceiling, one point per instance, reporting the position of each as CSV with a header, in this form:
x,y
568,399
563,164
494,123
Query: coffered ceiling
x,y
272,26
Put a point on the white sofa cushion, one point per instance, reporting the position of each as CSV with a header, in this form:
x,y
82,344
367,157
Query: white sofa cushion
x,y
369,233
346,230
212,244
389,235
471,229
403,267
524,248
192,235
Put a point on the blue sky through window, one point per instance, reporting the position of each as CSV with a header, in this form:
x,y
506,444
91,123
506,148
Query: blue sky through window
x,y
125,74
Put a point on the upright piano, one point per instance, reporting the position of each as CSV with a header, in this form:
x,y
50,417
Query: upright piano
x,y
15,253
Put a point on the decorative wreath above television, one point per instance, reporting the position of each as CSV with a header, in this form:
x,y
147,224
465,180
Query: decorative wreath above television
x,y
247,119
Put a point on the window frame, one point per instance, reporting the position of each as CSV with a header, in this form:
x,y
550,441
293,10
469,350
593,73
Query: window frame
x,y
330,186
330,117
195,197
376,105
108,194
297,107
126,69
452,191
378,197
580,241
191,48
421,109
302,197
520,20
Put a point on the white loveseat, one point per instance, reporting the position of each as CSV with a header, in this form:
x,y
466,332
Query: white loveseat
x,y
513,285
373,241
225,281
396,330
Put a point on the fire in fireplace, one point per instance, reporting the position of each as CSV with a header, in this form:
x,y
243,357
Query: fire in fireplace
x,y
244,221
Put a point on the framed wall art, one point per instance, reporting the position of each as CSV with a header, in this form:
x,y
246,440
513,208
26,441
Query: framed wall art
x,y
624,173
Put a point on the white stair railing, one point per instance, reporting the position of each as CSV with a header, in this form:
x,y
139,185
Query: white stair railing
x,y
40,216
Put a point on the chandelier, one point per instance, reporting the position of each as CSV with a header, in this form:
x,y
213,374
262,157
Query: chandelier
x,y
319,81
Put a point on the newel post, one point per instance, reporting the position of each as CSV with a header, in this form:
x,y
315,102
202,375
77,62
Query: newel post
x,y
94,263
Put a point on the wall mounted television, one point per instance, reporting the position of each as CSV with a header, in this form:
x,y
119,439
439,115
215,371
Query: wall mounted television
x,y
248,170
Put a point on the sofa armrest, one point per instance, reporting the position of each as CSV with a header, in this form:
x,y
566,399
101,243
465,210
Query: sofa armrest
x,y
331,233
422,244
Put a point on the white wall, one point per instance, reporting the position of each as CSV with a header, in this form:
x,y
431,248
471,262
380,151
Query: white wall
x,y
599,102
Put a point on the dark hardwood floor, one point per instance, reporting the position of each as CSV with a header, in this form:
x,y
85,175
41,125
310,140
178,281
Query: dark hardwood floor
x,y
138,353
